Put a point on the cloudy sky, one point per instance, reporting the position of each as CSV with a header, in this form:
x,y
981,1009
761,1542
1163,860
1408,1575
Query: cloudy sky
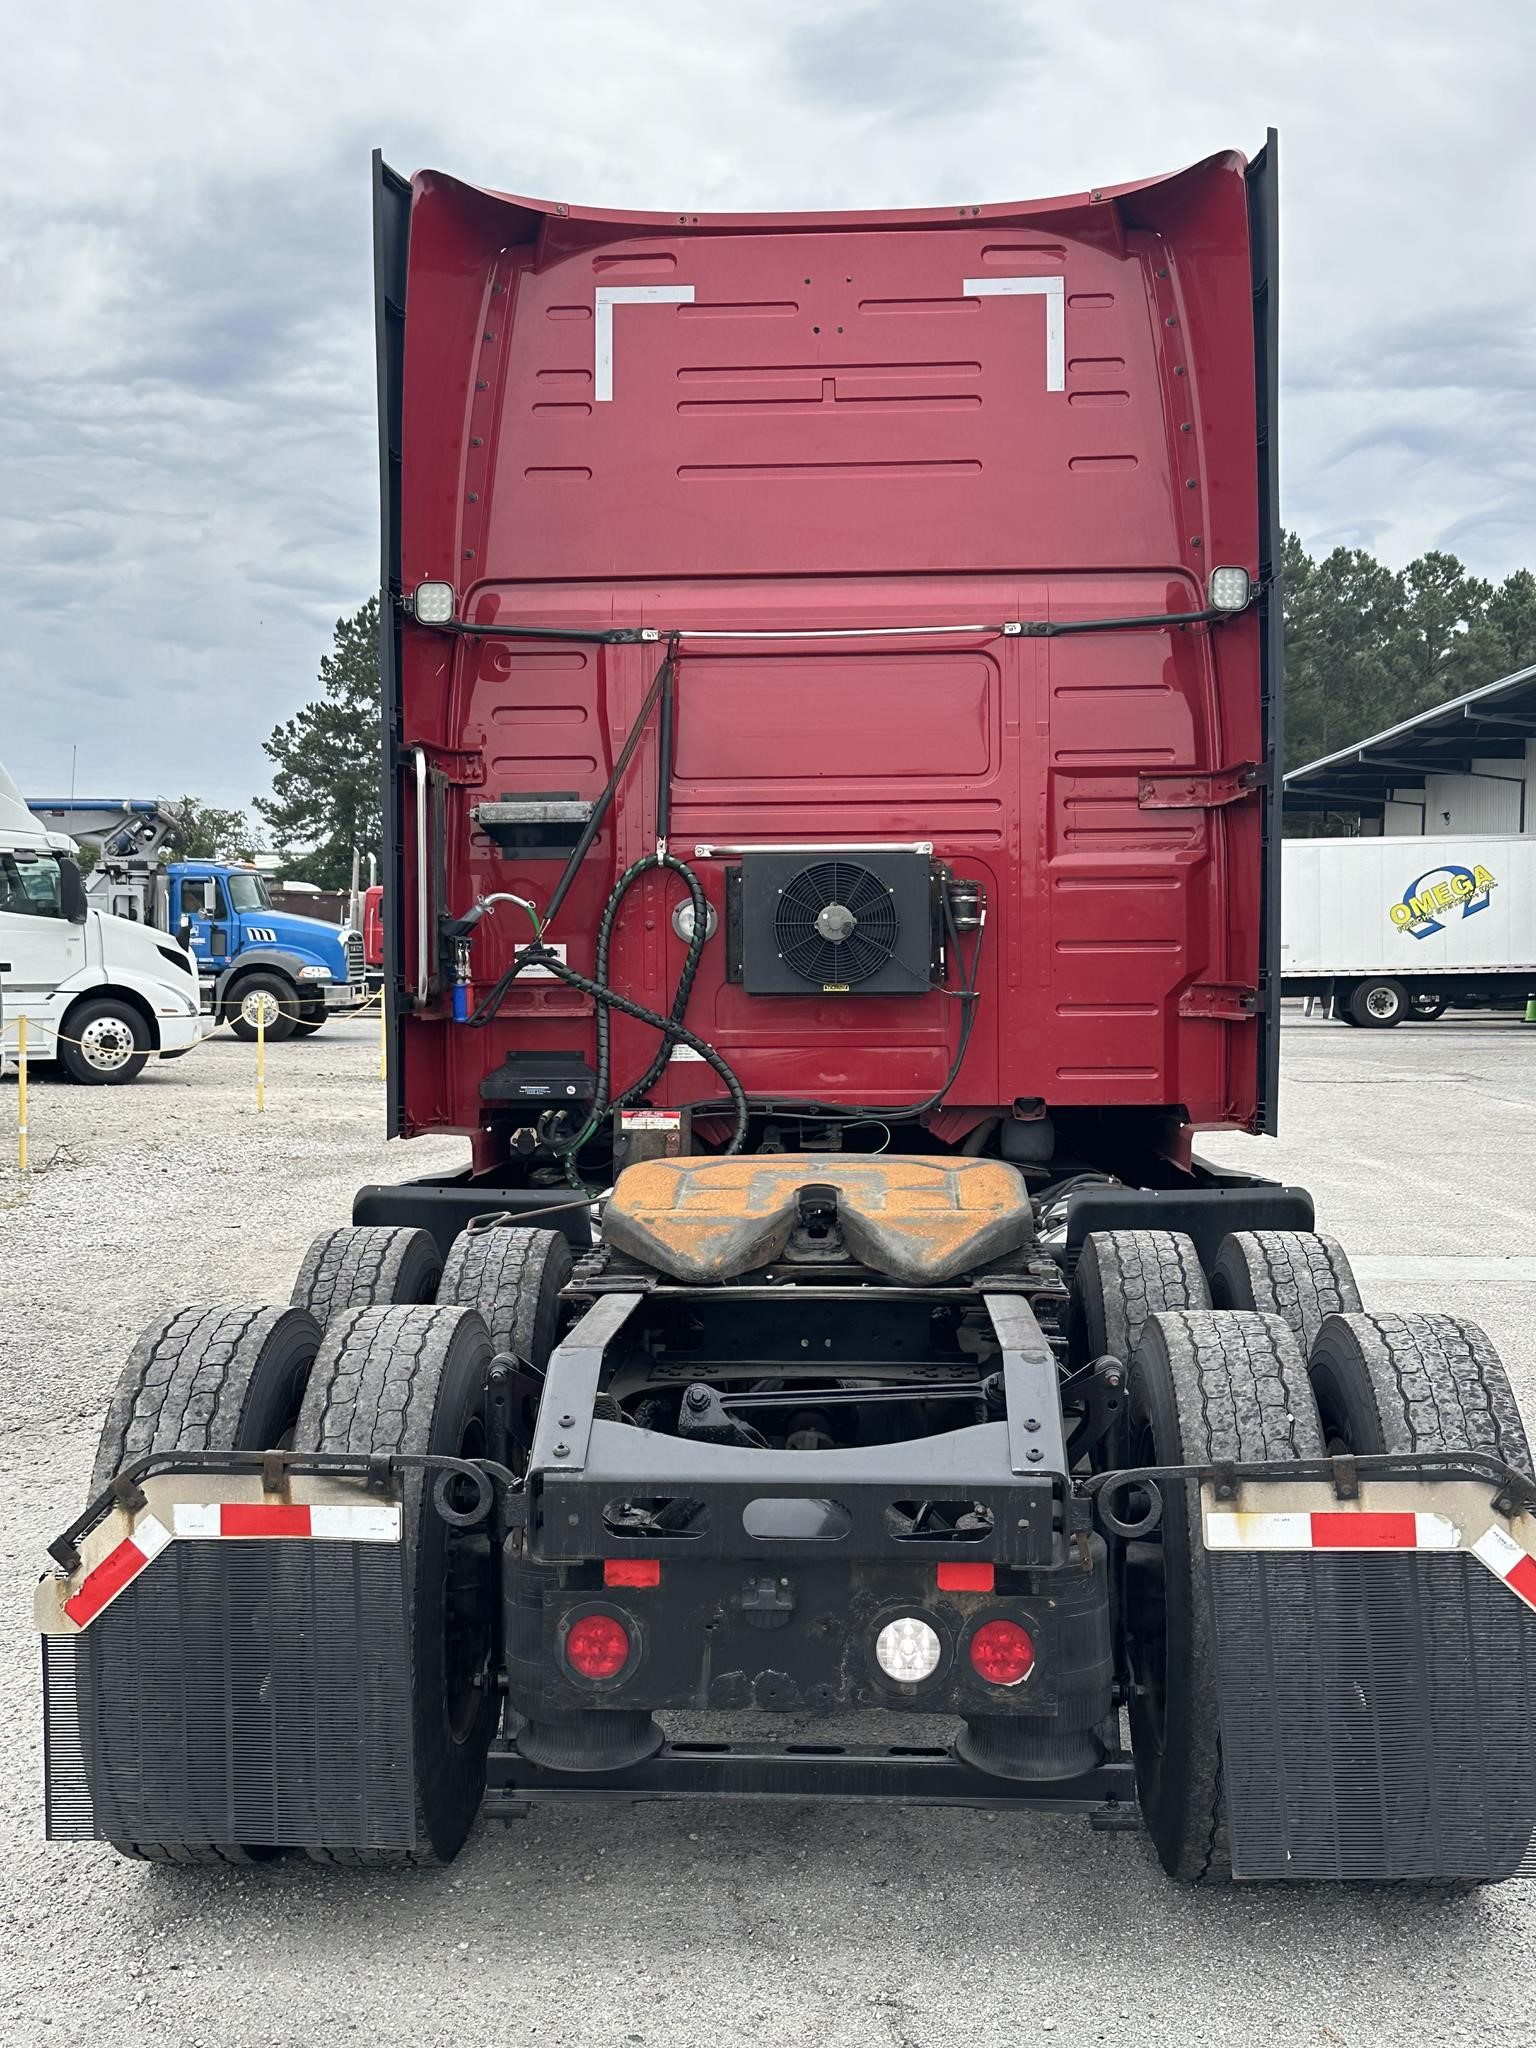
x,y
186,352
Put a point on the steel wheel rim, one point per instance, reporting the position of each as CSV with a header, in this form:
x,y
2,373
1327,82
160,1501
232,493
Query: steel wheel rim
x,y
107,1044
260,1007
1381,1002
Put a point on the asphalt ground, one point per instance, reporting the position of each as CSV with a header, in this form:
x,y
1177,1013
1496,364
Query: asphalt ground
x,y
693,1925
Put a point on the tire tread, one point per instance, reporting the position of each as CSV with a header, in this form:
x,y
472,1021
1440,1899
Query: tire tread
x,y
1302,1275
365,1265
1240,1378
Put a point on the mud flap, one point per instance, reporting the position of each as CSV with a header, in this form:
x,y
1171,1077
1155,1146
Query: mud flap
x,y
1375,1697
252,1691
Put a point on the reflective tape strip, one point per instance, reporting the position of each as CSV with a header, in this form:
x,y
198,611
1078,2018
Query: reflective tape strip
x,y
262,1518
194,1520
101,1586
340,1523
1336,1531
1507,1561
376,1524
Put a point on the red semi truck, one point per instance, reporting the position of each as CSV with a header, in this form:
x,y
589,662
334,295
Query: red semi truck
x,y
832,696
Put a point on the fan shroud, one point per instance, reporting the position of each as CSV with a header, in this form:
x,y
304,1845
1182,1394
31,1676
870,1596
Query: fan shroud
x,y
837,923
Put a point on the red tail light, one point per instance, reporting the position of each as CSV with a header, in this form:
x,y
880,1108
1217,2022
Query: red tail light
x,y
1002,1653
597,1646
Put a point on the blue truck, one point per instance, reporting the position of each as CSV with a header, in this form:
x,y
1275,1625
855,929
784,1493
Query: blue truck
x,y
257,965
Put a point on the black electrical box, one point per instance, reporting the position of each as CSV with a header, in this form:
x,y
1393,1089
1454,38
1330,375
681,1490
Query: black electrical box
x,y
552,1078
838,923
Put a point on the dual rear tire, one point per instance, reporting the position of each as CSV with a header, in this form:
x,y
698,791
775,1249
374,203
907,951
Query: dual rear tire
x,y
1287,1365
352,1366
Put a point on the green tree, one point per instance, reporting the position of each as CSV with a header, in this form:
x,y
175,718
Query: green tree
x,y
326,784
207,833
1367,646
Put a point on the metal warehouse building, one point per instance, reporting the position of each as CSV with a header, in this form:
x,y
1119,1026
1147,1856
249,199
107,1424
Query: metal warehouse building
x,y
1466,766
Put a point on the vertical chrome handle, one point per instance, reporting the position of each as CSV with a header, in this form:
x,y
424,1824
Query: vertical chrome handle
x,y
423,908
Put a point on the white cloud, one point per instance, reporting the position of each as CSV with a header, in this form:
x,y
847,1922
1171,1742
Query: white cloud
x,y
186,348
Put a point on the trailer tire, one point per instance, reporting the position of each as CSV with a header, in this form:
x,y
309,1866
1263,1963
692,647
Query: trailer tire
x,y
1221,1384
113,1043
1299,1274
1415,1383
1122,1278
413,1378
366,1266
282,1005
1425,1008
208,1378
1378,1004
514,1277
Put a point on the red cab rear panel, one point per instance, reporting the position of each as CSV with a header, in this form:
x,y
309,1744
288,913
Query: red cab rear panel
x,y
806,431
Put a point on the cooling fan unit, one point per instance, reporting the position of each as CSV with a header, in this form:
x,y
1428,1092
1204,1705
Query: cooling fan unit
x,y
839,925
835,924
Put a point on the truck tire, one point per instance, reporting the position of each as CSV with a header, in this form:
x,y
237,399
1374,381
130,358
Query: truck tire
x,y
1122,1278
1414,1383
306,1027
1226,1383
414,1379
206,1379
1378,1004
366,1266
1425,1008
111,1042
514,1278
1427,1383
1298,1274
254,992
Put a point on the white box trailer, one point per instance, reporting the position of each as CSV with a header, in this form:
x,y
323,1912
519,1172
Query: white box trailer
x,y
1396,927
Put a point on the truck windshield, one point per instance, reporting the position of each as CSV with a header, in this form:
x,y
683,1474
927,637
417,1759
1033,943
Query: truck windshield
x,y
249,892
29,885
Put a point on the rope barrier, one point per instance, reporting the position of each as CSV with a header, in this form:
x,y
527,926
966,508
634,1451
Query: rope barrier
x,y
17,1046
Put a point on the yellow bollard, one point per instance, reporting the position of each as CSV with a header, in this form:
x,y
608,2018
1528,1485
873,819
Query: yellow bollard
x,y
383,1039
21,1091
261,1053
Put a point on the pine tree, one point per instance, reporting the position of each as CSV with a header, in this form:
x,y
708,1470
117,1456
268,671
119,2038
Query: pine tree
x,y
326,786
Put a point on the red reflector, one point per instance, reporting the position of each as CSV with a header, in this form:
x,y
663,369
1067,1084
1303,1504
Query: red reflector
x,y
248,1518
597,1646
1364,1532
967,1578
1002,1652
105,1582
1523,1578
631,1571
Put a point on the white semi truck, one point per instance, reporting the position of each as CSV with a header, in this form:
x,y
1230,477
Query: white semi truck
x,y
1390,928
99,994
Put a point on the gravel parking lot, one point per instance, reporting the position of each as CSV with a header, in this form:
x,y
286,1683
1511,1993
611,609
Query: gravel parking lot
x,y
691,1924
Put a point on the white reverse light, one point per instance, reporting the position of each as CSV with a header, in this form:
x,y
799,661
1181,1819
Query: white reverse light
x,y
433,603
908,1650
1229,590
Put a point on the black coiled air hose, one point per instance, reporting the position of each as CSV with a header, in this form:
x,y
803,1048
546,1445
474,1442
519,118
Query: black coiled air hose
x,y
672,1029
